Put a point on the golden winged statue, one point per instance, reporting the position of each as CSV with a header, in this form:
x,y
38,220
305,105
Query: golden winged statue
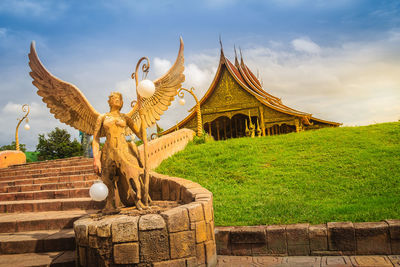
x,y
118,163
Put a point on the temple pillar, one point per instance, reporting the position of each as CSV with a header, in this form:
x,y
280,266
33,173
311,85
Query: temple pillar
x,y
217,123
262,120
209,129
224,123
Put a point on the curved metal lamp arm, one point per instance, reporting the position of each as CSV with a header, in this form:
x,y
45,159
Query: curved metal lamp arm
x,y
26,109
135,76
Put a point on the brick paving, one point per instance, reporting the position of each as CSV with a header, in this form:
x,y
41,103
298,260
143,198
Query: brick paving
x,y
310,261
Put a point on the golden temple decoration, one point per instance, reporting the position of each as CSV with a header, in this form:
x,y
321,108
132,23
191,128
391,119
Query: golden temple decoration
x,y
198,110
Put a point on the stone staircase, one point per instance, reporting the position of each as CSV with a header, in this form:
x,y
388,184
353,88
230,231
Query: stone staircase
x,y
38,204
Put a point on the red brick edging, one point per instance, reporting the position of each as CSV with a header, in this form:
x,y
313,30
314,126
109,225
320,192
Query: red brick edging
x,y
333,238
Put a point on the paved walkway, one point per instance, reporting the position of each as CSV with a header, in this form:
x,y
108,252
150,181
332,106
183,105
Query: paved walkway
x,y
309,261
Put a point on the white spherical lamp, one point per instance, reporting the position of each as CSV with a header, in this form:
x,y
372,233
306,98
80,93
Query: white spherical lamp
x,y
27,127
146,88
98,191
181,101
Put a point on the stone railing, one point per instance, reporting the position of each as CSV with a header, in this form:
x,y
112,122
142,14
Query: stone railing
x,y
334,238
165,146
180,236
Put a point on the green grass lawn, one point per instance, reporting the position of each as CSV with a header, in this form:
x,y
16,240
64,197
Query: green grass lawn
x,y
335,174
31,156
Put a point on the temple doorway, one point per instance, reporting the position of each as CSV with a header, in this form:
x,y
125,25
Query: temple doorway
x,y
223,128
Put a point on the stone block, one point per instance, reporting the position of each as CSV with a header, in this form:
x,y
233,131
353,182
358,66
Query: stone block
x,y
200,254
210,231
297,239
332,261
186,196
151,222
126,253
125,229
371,261
93,241
153,245
394,230
249,235
208,210
191,262
241,249
171,263
165,189
372,238
341,237
92,257
104,227
259,249
81,231
276,239
182,244
82,256
211,254
222,240
318,237
177,219
92,227
174,191
196,212
201,231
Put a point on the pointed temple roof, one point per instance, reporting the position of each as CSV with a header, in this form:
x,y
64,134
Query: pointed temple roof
x,y
249,82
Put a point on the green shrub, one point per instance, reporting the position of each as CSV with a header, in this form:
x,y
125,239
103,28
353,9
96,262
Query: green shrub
x,y
58,145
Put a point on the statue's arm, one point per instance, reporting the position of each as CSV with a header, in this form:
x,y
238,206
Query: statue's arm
x,y
135,129
95,145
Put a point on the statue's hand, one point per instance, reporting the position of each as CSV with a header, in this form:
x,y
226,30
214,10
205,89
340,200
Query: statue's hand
x,y
97,166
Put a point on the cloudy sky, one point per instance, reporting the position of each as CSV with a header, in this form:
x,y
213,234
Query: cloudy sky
x,y
339,60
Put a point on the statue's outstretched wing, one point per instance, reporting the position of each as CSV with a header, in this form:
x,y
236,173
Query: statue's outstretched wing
x,y
166,89
64,100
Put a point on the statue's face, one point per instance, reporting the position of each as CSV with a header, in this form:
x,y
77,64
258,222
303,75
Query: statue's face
x,y
115,100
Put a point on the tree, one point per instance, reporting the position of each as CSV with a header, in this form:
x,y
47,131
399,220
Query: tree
x,y
58,145
22,147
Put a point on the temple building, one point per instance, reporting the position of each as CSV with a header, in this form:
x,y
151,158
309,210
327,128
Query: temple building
x,y
236,105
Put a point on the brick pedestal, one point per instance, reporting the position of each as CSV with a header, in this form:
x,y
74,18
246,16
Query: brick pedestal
x,y
180,236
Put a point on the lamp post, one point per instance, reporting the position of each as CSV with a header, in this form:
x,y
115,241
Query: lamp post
x,y
25,108
144,88
198,111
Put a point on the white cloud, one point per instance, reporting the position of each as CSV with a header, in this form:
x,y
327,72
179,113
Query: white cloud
x,y
306,45
161,66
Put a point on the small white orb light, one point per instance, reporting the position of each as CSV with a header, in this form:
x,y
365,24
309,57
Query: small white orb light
x,y
181,101
27,127
146,88
98,191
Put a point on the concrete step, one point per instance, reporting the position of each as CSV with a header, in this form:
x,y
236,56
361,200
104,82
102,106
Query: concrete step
x,y
50,186
47,220
48,163
49,205
48,172
53,259
48,180
37,241
45,194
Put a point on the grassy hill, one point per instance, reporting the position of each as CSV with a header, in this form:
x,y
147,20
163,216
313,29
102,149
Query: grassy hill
x,y
336,174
